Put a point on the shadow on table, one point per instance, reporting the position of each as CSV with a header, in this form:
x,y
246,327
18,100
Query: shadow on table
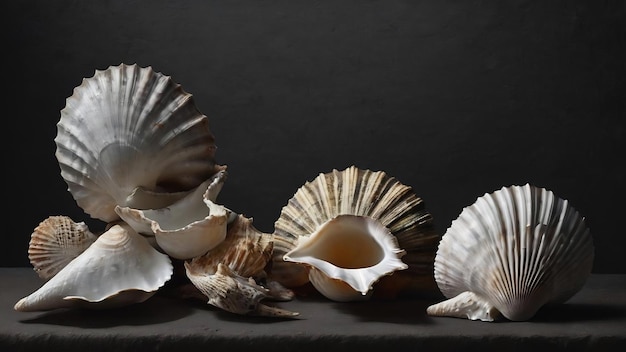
x,y
156,310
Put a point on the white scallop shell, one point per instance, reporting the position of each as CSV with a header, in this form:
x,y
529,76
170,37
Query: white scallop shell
x,y
55,242
118,269
130,136
187,228
510,253
347,255
360,192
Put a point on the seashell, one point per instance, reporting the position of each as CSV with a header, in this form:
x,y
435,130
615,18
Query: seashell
x,y
245,250
510,253
234,293
187,228
244,253
120,268
347,255
130,136
55,242
367,193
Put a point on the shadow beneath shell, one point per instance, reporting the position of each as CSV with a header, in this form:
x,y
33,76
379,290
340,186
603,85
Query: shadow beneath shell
x,y
155,310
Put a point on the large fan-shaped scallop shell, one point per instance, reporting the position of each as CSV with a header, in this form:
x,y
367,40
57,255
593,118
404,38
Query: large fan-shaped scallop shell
x,y
55,242
118,269
510,253
130,136
360,192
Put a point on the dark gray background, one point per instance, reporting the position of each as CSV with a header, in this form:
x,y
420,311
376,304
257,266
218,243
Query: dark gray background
x,y
454,98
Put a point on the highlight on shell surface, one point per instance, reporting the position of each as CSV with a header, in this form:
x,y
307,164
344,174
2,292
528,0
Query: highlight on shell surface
x,y
118,269
510,253
131,136
347,255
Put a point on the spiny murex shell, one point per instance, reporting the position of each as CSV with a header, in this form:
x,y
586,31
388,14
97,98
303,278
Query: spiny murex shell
x,y
130,136
228,275
55,242
512,252
118,269
360,192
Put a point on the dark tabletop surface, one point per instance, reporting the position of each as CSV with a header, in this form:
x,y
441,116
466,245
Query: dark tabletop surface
x,y
594,319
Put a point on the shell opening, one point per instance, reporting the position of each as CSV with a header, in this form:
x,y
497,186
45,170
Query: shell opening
x,y
348,244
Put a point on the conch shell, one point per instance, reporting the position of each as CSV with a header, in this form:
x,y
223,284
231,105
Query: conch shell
x,y
120,268
362,193
510,253
130,136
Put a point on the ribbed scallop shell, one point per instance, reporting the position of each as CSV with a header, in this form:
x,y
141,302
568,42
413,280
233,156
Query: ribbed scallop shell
x,y
374,194
513,250
130,136
55,242
118,269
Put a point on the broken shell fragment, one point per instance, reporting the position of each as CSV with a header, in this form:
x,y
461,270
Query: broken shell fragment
x,y
120,268
188,228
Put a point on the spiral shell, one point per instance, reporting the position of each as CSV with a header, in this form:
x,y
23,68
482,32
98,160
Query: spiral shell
x,y
510,253
130,136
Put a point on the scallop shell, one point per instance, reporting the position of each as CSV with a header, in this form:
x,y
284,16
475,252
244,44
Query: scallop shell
x,y
120,268
130,136
55,242
510,253
228,274
360,192
347,255
187,228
